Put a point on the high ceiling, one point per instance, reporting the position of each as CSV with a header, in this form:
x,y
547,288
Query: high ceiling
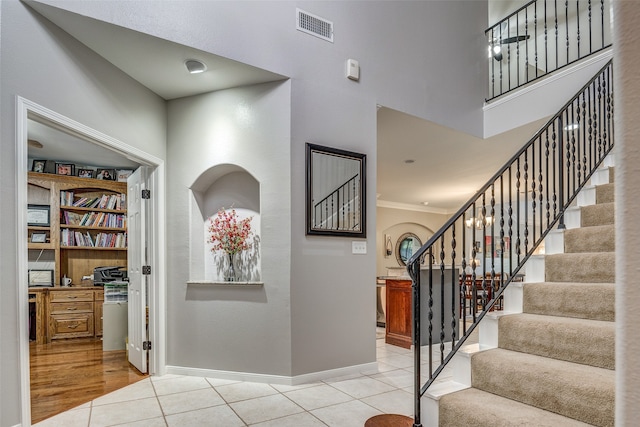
x,y
449,166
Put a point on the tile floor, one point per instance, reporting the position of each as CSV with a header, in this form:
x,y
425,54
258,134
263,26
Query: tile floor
x,y
182,401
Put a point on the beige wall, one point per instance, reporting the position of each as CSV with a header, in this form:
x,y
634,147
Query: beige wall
x,y
395,222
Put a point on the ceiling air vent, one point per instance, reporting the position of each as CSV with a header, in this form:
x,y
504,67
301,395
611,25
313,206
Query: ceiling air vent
x,y
314,25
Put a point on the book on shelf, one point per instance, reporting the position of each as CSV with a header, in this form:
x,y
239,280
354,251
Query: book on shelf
x,y
66,198
72,218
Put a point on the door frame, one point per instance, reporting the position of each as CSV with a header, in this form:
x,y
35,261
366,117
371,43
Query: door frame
x,y
26,109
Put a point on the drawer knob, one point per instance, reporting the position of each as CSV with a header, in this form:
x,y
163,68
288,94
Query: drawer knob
x,y
72,308
72,296
72,325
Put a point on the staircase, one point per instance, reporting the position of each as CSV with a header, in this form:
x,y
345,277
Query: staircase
x,y
553,361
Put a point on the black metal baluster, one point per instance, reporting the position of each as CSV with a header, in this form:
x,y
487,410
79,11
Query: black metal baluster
x,y
583,134
574,157
518,238
463,275
517,50
546,161
566,28
568,164
546,41
493,62
556,22
430,314
600,107
502,241
610,105
590,29
578,26
526,198
540,185
560,168
455,284
602,22
442,258
508,56
493,232
554,157
533,195
474,292
578,146
535,33
510,222
526,45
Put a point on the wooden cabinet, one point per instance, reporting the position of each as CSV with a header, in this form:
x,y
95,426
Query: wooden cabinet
x,y
71,313
98,300
398,327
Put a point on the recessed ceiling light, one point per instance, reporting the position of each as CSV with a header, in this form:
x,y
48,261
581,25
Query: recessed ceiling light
x,y
425,203
409,161
194,66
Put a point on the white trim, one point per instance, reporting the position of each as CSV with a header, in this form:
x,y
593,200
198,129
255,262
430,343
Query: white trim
x,y
410,207
567,71
272,379
26,109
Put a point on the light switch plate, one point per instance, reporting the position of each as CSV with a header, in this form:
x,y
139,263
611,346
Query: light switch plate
x,y
359,247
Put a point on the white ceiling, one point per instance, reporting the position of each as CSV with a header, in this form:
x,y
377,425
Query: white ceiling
x,y
159,65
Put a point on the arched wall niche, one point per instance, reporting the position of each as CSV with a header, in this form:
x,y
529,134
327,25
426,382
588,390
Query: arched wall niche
x,y
223,187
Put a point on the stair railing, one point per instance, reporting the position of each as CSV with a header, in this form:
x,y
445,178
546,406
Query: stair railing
x,y
544,36
482,248
337,211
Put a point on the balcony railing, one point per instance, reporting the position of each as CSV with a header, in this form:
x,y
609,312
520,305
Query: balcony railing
x,y
484,246
544,36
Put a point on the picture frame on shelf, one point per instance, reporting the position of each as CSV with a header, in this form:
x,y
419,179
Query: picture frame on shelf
x,y
38,166
123,174
42,278
85,173
67,169
38,237
38,215
106,174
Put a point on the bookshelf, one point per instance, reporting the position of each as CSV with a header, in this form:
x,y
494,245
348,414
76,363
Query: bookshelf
x,y
87,224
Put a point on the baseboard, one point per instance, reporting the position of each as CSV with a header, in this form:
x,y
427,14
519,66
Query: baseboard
x,y
272,379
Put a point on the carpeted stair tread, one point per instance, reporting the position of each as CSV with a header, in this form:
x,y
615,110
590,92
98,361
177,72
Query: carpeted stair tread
x,y
590,342
605,193
581,392
599,214
594,267
473,407
580,300
598,238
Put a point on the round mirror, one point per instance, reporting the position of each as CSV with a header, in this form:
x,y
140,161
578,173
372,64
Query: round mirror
x,y
407,245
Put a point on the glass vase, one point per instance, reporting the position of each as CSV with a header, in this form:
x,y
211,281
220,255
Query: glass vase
x,y
230,273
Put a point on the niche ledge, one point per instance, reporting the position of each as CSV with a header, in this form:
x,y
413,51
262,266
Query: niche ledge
x,y
217,283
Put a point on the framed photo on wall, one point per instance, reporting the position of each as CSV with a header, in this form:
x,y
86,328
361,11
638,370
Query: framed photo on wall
x,y
38,215
38,166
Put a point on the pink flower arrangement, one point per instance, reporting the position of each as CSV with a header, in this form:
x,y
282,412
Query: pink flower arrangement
x,y
228,233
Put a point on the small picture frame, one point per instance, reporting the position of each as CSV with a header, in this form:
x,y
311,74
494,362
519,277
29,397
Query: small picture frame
x,y
65,169
38,215
41,278
38,237
85,173
123,174
38,166
106,174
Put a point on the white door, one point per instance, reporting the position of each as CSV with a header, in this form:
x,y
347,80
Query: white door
x,y
136,258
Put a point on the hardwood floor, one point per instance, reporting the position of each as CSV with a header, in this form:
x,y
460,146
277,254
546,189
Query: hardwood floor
x,y
68,373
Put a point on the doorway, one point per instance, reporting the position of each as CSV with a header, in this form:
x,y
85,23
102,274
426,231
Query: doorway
x,y
29,112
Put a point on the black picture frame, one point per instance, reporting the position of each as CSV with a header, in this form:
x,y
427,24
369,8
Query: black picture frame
x,y
67,169
335,178
38,166
85,173
106,174
38,215
40,278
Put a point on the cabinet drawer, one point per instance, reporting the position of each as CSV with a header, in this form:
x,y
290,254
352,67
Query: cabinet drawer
x,y
71,307
64,296
71,326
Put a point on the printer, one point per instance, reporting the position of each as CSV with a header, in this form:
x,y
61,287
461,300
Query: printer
x,y
102,275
